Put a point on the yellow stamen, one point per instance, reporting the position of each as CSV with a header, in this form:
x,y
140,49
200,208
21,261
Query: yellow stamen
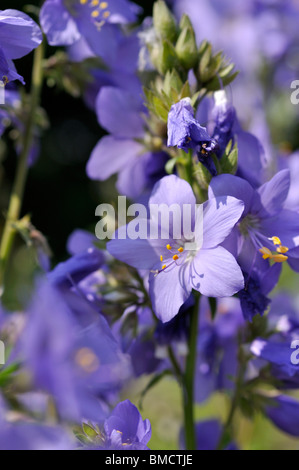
x,y
275,240
95,14
175,257
266,253
95,3
106,14
169,247
83,2
280,258
87,360
282,249
180,250
164,267
161,258
103,5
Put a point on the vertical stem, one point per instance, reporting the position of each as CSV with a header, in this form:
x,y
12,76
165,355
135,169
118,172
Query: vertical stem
x,y
16,199
227,433
189,418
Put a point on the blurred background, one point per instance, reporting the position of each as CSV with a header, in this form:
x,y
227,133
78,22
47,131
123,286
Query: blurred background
x,y
61,198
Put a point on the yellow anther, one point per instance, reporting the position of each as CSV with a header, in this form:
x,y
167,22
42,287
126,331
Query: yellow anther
x,y
103,5
83,2
106,14
161,258
175,257
180,250
169,247
87,360
282,249
279,258
266,253
95,14
95,3
275,240
164,267
119,432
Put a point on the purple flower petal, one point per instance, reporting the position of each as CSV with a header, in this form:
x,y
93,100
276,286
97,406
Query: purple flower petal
x,y
220,216
110,156
169,291
119,113
216,273
275,192
228,185
19,34
58,25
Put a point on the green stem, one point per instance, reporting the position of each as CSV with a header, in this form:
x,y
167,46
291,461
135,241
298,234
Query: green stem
x,y
227,433
189,418
175,364
15,205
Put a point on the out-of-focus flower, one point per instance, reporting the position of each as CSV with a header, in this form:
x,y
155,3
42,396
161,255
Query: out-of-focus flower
x,y
28,436
123,152
126,430
63,353
175,270
19,35
76,268
266,226
251,157
217,348
119,53
284,413
65,21
208,434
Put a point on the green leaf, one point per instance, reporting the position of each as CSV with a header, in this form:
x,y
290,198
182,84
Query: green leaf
x,y
216,84
89,431
164,21
167,58
205,59
185,22
170,165
229,161
185,92
172,81
203,176
7,372
186,49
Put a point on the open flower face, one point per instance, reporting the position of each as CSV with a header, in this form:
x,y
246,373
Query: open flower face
x,y
182,261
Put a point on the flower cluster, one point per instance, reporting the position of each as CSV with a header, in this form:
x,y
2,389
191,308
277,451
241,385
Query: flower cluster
x,y
197,302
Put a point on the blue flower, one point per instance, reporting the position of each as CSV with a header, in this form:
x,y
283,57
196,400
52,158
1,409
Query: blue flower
x,y
65,21
122,153
267,231
284,413
19,35
185,132
174,269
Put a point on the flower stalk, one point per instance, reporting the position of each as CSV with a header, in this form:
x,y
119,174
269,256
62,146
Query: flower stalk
x,y
189,414
15,204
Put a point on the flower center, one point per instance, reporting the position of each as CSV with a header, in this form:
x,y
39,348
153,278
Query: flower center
x,y
98,10
278,256
178,255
